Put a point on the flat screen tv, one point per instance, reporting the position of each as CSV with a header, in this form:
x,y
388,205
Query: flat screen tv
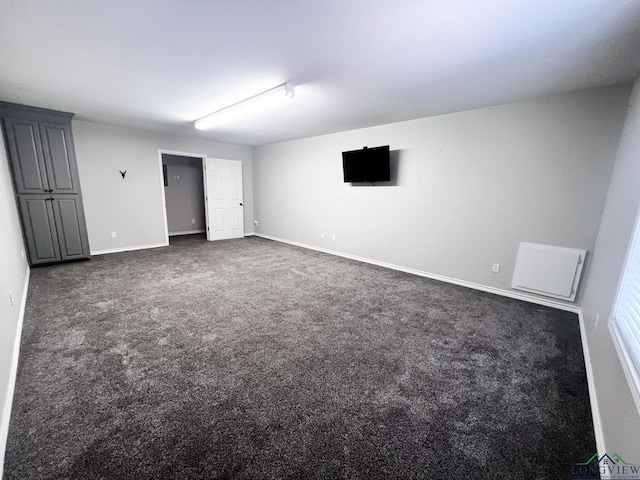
x,y
368,165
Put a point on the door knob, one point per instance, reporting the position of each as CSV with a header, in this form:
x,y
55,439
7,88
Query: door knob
x,y
240,204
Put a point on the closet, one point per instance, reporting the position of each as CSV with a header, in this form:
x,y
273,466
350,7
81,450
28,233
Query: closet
x,y
40,149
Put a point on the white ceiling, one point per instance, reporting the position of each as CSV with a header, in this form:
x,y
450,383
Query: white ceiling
x,y
160,64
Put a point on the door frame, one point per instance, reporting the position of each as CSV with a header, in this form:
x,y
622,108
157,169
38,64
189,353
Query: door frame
x,y
162,151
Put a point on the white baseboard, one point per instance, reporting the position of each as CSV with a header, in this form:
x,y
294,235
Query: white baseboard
x,y
249,234
186,232
128,249
13,372
476,286
593,397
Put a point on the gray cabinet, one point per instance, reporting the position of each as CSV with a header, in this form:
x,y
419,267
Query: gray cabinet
x,y
38,224
25,154
40,149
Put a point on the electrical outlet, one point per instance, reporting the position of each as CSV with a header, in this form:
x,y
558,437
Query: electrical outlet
x,y
495,268
255,222
597,320
113,234
322,235
24,255
333,237
193,220
11,298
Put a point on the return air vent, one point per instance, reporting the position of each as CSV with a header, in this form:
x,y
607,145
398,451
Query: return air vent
x,y
548,270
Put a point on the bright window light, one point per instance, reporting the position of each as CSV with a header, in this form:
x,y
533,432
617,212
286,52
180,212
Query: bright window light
x,y
625,322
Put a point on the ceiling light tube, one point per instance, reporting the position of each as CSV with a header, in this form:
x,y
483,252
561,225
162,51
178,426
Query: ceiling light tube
x,y
209,120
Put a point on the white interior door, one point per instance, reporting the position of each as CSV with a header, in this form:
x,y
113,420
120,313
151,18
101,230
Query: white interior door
x,y
223,199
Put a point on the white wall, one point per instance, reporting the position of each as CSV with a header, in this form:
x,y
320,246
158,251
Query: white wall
x,y
620,419
14,274
470,186
132,207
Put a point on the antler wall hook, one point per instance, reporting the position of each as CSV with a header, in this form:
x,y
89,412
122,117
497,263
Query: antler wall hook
x,y
122,173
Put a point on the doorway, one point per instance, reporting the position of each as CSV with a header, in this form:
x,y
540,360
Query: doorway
x,y
201,195
184,194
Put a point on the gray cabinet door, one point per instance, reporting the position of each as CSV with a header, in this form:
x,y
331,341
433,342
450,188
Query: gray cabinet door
x,y
69,219
59,159
39,229
45,173
25,152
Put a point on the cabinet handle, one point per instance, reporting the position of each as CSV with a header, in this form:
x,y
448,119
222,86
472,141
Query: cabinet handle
x,y
50,199
49,191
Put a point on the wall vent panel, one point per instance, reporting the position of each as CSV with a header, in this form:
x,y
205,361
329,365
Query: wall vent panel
x,y
548,270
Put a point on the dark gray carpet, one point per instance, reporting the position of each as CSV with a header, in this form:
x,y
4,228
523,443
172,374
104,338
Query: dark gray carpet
x,y
253,359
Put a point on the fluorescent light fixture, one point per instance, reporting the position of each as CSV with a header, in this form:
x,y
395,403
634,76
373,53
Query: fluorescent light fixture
x,y
286,90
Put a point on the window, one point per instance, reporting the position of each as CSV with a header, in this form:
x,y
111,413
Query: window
x,y
625,323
